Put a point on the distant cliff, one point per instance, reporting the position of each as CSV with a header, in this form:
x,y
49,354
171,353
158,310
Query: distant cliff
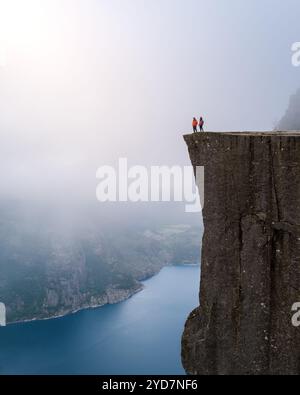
x,y
44,273
291,119
250,257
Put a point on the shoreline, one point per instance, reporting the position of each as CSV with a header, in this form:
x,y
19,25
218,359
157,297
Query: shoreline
x,y
131,293
79,309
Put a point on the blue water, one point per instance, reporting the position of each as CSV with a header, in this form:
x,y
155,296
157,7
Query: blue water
x,y
139,336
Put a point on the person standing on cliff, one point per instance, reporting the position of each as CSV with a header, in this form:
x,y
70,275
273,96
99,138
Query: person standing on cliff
x,y
195,124
201,124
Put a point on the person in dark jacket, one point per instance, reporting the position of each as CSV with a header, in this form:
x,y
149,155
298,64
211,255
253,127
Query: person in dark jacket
x,y
201,124
195,124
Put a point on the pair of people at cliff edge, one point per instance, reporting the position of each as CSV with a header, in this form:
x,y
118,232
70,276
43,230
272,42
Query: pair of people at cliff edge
x,y
195,124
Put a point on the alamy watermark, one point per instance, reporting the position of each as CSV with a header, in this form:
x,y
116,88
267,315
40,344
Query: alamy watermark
x,y
152,184
296,54
2,314
296,316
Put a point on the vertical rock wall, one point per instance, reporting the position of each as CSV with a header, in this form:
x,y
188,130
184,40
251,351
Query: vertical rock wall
x,y
251,255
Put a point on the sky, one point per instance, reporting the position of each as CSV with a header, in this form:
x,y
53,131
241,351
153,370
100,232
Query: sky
x,y
85,82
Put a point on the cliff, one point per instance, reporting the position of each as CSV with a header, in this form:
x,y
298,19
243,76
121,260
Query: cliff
x,y
250,275
45,273
291,119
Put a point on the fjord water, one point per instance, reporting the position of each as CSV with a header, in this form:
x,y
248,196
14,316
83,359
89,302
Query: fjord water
x,y
139,336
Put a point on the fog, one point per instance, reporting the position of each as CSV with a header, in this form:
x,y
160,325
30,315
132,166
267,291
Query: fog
x,y
291,119
85,82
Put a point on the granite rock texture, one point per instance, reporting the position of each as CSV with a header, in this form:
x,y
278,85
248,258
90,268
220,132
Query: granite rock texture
x,y
250,276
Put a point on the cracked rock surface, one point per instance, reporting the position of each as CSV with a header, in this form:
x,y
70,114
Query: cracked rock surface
x,y
250,276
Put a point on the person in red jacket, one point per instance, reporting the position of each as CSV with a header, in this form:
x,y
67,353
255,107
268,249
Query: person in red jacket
x,y
201,124
195,124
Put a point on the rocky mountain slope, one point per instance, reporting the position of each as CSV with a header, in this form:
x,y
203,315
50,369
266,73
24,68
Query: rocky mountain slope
x,y
291,119
47,272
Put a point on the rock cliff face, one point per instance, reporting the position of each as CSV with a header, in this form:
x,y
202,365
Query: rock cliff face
x,y
250,257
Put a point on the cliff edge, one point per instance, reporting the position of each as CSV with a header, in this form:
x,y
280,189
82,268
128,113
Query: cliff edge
x,y
250,276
